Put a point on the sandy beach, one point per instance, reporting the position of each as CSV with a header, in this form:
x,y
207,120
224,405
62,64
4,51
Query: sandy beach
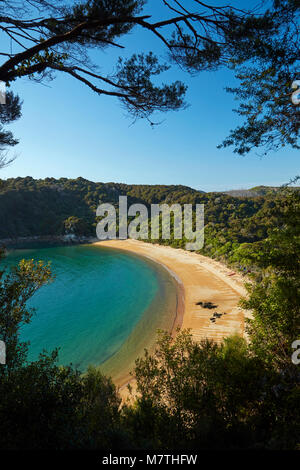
x,y
200,279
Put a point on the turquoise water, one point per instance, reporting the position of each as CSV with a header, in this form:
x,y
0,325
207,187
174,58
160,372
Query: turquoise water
x,y
98,297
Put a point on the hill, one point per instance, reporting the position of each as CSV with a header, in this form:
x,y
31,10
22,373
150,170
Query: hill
x,y
53,207
254,192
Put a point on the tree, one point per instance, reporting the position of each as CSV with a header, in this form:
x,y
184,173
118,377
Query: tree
x,y
274,297
76,226
43,405
16,288
274,302
207,396
199,396
9,112
46,406
196,37
266,71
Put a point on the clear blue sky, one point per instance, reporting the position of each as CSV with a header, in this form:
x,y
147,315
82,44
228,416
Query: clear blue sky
x,y
68,131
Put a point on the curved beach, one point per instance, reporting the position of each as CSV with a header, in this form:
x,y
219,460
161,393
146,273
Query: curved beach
x,y
200,279
165,312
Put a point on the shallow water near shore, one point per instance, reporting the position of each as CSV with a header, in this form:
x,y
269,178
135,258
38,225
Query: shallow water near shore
x,y
103,308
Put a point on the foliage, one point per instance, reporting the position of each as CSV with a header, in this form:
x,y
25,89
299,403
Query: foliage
x,y
233,395
31,207
237,394
16,288
275,296
190,395
258,43
188,392
268,70
9,112
209,396
75,225
51,207
44,406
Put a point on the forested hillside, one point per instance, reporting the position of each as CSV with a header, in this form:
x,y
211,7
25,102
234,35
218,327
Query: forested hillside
x,y
30,207
236,395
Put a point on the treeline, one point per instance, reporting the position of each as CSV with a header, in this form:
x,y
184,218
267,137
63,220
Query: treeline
x,y
236,395
54,207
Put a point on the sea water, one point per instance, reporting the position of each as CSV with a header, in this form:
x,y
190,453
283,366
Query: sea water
x,y
103,307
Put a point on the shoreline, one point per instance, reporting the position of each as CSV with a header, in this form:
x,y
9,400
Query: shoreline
x,y
198,279
37,241
179,314
165,313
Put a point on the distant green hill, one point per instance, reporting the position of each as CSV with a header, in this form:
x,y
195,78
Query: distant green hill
x,y
49,207
39,207
255,192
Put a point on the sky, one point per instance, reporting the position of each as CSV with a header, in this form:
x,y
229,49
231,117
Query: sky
x,y
66,130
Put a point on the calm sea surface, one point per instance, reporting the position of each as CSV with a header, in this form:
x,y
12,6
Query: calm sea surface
x,y
98,299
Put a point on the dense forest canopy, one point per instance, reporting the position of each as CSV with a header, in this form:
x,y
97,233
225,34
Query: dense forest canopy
x,y
190,395
235,395
55,207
